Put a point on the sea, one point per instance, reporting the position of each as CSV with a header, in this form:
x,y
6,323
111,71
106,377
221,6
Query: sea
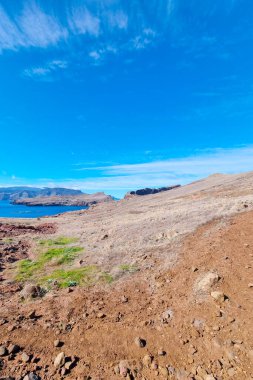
x,y
7,210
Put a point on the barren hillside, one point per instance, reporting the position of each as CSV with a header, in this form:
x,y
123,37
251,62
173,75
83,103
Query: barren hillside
x,y
154,287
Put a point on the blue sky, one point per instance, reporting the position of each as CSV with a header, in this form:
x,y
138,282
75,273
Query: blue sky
x,y
116,95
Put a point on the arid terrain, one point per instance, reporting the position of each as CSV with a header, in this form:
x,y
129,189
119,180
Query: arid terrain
x,y
154,287
65,200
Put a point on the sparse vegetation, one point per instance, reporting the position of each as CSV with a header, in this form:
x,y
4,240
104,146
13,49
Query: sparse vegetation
x,y
61,240
129,268
27,269
72,277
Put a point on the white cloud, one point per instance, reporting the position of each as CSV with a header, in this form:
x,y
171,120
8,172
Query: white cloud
x,y
118,179
33,28
39,28
118,19
144,39
10,36
81,21
46,70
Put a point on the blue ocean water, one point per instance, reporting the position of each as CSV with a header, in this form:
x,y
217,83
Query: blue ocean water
x,y
8,210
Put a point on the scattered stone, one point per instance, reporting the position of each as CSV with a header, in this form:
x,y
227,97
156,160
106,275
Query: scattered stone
x,y
154,366
147,360
31,291
204,284
11,328
31,376
25,357
167,316
59,360
209,377
218,313
231,372
32,315
123,368
13,349
3,351
57,343
116,370
192,350
64,371
101,315
140,342
218,296
124,299
163,371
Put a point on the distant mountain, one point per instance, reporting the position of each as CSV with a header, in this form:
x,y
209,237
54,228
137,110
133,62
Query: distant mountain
x,y
20,192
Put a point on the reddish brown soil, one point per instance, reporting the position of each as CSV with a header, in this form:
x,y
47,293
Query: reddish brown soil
x,y
202,336
9,230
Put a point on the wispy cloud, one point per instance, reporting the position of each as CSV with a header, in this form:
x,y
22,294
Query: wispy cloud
x,y
118,179
45,71
81,21
39,28
32,28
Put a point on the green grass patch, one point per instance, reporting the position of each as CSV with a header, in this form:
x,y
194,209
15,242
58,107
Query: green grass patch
x,y
71,277
129,268
64,255
27,269
61,240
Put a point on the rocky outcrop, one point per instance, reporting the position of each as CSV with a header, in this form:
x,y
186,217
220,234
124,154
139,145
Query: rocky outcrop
x,y
69,200
20,192
148,191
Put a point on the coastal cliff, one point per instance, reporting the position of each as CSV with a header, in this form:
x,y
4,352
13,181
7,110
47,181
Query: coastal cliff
x,y
65,200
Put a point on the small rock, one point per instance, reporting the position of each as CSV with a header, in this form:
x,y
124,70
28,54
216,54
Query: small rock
x,y
32,315
140,342
69,365
154,366
101,315
31,376
209,377
124,299
163,371
167,316
64,371
123,368
161,353
31,291
218,296
57,343
59,360
192,350
13,349
206,282
250,285
147,360
3,351
25,358
231,372
11,328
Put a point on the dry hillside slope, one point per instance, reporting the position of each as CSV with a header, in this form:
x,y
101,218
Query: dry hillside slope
x,y
154,287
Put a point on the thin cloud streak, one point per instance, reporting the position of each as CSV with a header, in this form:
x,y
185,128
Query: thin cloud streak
x,y
119,179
